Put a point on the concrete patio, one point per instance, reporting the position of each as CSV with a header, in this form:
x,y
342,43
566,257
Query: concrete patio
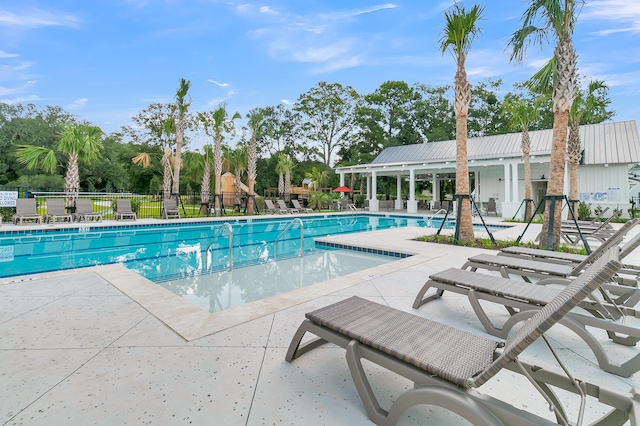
x,y
103,346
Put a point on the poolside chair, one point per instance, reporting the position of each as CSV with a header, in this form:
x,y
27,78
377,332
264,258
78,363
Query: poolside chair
x,y
84,211
564,257
26,210
282,206
297,206
270,208
596,220
170,209
446,363
624,289
56,211
599,232
491,207
521,299
123,210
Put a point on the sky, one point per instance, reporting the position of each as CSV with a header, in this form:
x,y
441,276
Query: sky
x,y
106,60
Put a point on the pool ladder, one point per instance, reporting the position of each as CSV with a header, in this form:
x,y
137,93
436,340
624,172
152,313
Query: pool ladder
x,y
286,228
213,240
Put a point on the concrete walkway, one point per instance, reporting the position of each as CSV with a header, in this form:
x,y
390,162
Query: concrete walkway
x,y
98,346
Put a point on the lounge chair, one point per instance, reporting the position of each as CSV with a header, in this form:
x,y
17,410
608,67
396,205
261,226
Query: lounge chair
x,y
123,209
170,209
26,210
596,220
625,291
84,211
446,364
599,232
285,209
56,211
297,206
270,208
522,299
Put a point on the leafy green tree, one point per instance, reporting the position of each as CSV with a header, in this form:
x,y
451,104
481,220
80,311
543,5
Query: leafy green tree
x,y
461,27
328,111
485,112
557,18
237,161
77,142
281,131
434,113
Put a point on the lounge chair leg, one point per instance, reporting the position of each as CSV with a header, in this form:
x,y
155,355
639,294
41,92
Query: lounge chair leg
x,y
421,300
295,349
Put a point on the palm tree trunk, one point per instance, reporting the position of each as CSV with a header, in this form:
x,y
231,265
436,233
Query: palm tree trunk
x,y
574,153
72,179
252,173
462,99
287,185
166,175
177,162
217,166
205,192
555,186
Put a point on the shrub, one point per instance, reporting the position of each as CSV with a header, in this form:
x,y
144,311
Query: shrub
x,y
584,210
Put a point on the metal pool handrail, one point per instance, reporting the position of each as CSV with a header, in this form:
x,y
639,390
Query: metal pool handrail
x,y
216,235
286,228
427,219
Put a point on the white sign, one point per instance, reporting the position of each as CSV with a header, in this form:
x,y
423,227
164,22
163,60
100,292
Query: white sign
x,y
613,194
8,198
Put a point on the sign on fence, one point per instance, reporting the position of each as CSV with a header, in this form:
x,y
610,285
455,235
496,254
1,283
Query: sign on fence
x,y
8,198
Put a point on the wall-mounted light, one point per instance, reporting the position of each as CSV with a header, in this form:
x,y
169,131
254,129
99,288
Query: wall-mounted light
x,y
499,179
542,177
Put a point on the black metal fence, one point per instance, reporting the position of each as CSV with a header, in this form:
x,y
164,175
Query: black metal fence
x,y
147,205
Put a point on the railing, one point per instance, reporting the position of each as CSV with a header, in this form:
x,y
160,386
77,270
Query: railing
x,y
352,207
286,228
428,219
215,237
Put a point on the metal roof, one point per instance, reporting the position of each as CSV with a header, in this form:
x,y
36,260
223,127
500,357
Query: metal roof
x,y
604,143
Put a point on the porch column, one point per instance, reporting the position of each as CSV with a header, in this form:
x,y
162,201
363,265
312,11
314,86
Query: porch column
x,y
516,197
412,204
434,189
368,187
398,204
342,179
374,206
507,193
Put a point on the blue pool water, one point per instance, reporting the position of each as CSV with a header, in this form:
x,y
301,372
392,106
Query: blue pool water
x,y
166,252
172,251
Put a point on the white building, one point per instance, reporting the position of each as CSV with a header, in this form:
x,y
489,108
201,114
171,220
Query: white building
x,y
607,174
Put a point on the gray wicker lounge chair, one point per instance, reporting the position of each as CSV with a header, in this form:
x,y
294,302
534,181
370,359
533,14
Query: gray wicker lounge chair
x,y
56,211
26,210
299,208
447,363
563,257
170,209
601,231
84,211
123,210
521,300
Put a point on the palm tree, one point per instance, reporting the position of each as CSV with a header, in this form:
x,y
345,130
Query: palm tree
x,y
521,116
284,168
558,19
256,118
280,169
78,142
584,103
215,123
461,27
165,133
205,187
182,105
318,178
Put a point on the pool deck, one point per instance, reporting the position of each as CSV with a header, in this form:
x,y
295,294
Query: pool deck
x,y
102,345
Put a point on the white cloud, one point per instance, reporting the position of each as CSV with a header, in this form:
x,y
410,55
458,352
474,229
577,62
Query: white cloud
x,y
35,18
619,11
19,100
218,83
4,91
77,104
4,54
286,102
268,11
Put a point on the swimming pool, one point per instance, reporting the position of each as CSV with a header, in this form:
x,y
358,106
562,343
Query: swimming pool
x,y
171,251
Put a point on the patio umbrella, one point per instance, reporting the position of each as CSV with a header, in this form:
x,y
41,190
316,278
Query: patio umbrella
x,y
342,189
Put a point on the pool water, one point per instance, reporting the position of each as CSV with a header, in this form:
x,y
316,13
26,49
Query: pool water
x,y
168,251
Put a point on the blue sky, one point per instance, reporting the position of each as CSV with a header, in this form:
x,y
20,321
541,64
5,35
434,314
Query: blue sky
x,y
105,60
